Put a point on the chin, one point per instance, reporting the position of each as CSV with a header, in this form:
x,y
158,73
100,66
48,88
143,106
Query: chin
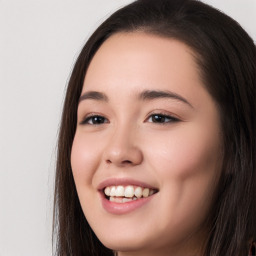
x,y
123,242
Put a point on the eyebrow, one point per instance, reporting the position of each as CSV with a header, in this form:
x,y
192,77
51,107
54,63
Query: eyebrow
x,y
145,95
151,95
93,95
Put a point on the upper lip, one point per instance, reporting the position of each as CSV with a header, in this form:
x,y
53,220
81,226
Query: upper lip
x,y
123,181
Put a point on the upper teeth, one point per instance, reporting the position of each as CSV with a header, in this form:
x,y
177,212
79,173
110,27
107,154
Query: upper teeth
x,y
128,191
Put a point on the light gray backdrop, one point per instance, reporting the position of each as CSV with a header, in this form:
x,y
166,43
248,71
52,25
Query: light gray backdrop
x,y
39,41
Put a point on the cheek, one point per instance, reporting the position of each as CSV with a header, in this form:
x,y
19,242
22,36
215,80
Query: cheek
x,y
84,159
189,163
186,152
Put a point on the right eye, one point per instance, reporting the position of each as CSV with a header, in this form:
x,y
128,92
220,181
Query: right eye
x,y
94,120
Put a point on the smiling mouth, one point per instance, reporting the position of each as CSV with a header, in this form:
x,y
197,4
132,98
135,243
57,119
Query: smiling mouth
x,y
124,194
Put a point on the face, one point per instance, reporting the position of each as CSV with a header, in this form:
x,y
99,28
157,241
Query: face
x,y
146,156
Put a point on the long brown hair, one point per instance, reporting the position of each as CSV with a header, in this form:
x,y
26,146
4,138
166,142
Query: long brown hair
x,y
226,57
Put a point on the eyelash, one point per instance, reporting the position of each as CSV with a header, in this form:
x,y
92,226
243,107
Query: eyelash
x,y
89,120
162,119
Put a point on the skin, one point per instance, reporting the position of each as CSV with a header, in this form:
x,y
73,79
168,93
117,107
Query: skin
x,y
180,156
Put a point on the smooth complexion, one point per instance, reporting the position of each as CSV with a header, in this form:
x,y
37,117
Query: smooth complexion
x,y
146,119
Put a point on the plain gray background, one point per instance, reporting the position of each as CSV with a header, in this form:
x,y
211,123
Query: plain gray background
x,y
39,42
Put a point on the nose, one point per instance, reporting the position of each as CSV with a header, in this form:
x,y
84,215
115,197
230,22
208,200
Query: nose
x,y
123,149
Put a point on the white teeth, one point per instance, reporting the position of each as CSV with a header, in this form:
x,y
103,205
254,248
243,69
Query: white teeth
x,y
118,199
120,194
113,191
129,191
145,192
151,192
125,200
119,191
121,200
138,192
107,191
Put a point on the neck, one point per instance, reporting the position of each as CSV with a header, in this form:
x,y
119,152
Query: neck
x,y
174,251
188,247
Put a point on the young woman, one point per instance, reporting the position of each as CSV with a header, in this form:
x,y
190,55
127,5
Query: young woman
x,y
156,152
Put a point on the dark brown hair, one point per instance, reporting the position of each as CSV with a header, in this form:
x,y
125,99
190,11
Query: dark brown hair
x,y
226,57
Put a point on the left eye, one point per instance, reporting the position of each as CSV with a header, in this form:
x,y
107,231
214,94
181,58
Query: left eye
x,y
94,120
160,118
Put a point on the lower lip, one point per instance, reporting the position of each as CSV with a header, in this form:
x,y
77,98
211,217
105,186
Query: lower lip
x,y
123,208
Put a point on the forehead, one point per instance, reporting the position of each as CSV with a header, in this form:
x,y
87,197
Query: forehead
x,y
127,63
142,52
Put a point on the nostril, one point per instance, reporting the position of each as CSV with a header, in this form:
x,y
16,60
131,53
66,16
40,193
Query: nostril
x,y
126,162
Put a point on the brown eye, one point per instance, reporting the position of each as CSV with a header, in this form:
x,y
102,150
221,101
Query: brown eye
x,y
160,118
94,120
